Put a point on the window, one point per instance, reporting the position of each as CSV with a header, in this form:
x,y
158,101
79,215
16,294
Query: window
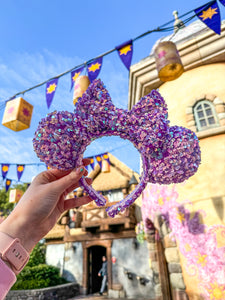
x,y
114,195
205,115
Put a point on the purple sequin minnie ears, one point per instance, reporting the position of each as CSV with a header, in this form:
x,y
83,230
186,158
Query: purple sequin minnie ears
x,y
169,154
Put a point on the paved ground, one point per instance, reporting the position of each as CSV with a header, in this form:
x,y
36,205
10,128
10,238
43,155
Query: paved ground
x,y
97,297
91,297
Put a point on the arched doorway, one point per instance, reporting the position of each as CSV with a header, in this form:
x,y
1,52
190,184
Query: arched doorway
x,y
95,254
92,253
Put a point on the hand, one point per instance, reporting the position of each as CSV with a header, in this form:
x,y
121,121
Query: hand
x,y
42,204
99,274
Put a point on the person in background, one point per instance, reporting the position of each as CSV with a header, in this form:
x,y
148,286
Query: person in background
x,y
103,272
34,216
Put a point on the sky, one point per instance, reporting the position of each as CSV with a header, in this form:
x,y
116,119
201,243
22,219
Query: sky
x,y
41,39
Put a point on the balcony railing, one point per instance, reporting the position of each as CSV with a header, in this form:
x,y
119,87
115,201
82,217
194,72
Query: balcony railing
x,y
97,217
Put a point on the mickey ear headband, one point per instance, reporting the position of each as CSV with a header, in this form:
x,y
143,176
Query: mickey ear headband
x,y
169,154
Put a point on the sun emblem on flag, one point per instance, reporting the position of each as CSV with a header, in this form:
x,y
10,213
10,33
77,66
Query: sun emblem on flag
x,y
94,67
5,168
76,75
125,50
51,88
209,13
20,168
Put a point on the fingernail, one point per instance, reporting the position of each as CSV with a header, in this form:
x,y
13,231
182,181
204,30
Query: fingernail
x,y
81,169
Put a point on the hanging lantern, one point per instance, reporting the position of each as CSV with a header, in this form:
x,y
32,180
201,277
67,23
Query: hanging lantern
x,y
81,85
15,195
17,115
168,62
105,166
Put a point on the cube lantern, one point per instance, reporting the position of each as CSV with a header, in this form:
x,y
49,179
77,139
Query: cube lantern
x,y
15,195
105,166
17,115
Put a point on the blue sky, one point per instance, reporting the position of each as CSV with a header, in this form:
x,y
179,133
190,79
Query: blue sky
x,y
40,39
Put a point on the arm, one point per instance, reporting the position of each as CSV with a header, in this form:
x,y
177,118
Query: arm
x,y
100,271
39,209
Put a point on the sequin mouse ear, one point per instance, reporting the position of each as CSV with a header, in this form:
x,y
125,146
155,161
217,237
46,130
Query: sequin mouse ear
x,y
169,154
179,160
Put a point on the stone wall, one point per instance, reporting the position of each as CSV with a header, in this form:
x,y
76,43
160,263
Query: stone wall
x,y
59,292
131,275
69,258
171,252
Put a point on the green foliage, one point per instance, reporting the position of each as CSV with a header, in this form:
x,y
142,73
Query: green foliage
x,y
37,274
37,256
36,277
5,206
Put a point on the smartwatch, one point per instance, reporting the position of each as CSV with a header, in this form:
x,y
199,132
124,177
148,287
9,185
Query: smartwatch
x,y
12,252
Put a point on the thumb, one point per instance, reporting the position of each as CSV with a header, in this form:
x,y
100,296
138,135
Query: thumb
x,y
65,182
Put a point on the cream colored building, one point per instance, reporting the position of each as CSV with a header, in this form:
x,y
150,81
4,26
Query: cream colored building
x,y
195,100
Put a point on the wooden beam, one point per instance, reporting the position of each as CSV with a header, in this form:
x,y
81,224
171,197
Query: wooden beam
x,y
109,221
100,236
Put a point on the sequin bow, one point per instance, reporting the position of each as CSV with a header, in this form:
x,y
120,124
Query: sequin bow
x,y
169,154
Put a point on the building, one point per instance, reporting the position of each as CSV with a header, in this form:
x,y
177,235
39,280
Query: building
x,y
82,236
195,100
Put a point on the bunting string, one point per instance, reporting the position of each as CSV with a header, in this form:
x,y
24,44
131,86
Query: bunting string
x,y
21,167
208,13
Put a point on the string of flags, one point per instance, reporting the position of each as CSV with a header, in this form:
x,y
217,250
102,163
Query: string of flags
x,y
208,13
99,158
21,167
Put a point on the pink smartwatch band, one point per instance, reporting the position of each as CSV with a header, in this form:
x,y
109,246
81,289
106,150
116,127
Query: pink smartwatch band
x,y
13,252
7,279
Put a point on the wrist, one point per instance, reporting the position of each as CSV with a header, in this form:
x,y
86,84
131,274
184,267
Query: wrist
x,y
13,253
17,227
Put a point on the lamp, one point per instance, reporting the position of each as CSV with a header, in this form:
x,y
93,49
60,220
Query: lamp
x,y
133,180
80,87
17,115
168,61
15,195
105,166
143,280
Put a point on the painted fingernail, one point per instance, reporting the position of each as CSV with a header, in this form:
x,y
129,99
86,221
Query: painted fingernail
x,y
81,169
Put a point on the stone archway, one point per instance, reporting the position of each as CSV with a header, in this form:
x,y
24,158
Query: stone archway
x,y
86,247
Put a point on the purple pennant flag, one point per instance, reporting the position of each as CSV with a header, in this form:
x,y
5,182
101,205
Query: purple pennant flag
x,y
222,2
125,52
99,160
75,74
20,169
7,184
50,90
5,169
94,68
210,15
92,163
